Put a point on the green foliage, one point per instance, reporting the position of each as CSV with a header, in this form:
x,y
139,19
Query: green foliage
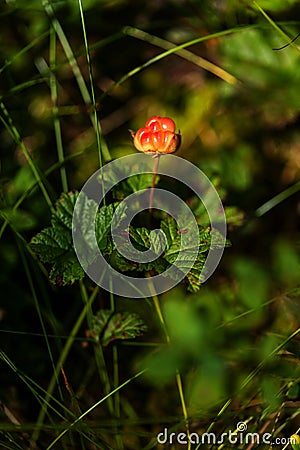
x,y
130,184
107,327
183,261
211,356
54,244
193,339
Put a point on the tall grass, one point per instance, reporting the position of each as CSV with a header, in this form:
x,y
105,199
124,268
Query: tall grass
x,y
84,396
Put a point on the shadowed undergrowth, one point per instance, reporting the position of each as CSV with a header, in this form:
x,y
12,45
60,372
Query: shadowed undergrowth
x,y
83,368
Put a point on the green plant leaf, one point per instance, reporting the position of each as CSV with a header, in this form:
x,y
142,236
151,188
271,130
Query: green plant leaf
x,y
108,327
131,183
66,270
64,208
234,216
54,245
84,215
118,262
193,278
55,241
184,260
140,236
169,227
51,243
158,241
104,219
141,181
91,238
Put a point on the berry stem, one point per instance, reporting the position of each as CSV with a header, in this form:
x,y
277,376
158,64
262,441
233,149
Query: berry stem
x,y
156,161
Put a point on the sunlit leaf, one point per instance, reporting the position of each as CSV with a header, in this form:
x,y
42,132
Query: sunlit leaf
x,y
54,244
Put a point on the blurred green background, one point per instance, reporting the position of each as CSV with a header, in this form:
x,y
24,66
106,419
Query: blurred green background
x,y
240,124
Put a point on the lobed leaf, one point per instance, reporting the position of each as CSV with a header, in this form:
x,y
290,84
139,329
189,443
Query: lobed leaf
x,y
64,208
66,270
140,236
54,245
51,243
108,327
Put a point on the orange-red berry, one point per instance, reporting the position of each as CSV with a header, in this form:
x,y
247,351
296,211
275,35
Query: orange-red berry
x,y
157,136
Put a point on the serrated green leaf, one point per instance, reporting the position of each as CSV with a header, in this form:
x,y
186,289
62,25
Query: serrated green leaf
x,y
54,244
104,219
102,225
193,278
141,181
234,216
118,262
140,236
188,250
204,239
193,269
158,241
87,213
91,238
107,327
182,257
170,229
66,270
142,239
99,322
84,216
83,220
64,208
172,252
51,243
